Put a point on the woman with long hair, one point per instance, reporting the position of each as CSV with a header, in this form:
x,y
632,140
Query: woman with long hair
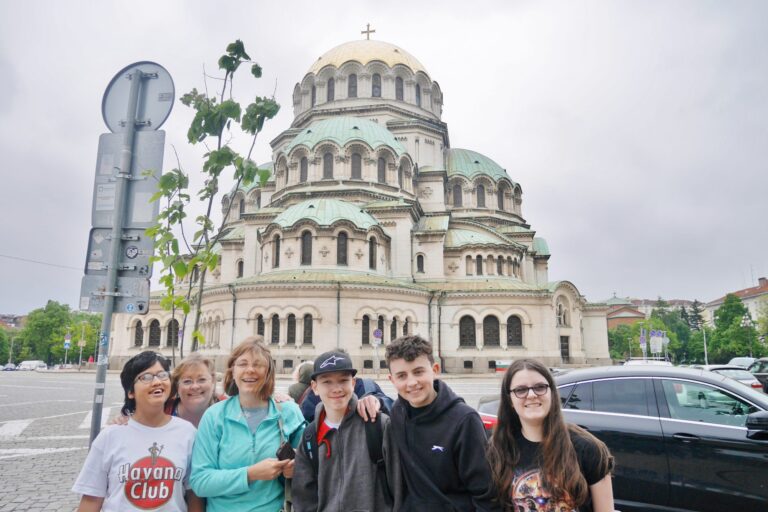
x,y
235,464
538,461
144,465
193,388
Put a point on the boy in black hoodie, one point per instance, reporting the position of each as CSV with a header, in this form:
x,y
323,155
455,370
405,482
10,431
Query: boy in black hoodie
x,y
440,438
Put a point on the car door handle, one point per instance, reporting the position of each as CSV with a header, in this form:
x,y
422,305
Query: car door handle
x,y
686,438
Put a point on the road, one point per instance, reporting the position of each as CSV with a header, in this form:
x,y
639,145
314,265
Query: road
x,y
45,420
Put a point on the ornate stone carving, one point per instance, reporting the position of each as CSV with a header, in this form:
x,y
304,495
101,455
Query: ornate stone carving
x,y
359,253
324,251
425,193
289,252
453,266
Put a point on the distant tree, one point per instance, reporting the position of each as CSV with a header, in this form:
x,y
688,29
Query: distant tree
x,y
619,342
696,316
661,306
731,337
684,316
695,347
762,321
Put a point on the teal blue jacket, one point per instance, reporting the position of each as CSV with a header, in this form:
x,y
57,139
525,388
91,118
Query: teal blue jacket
x,y
225,447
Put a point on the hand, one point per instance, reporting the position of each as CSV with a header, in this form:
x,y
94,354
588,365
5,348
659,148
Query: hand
x,y
279,397
267,469
368,407
288,469
119,420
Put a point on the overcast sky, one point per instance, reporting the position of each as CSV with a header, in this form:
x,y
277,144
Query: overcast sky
x,y
638,130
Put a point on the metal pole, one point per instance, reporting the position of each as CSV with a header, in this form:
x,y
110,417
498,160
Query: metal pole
x,y
10,354
704,332
121,184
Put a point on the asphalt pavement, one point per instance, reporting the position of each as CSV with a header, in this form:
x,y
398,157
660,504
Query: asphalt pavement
x,y
45,421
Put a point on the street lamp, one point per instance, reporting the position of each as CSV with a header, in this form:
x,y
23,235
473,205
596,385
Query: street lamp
x,y
747,323
10,353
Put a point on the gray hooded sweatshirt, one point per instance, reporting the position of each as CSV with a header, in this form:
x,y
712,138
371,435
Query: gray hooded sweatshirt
x,y
347,479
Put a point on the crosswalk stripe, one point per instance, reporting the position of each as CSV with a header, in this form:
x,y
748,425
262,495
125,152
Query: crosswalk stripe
x,y
13,428
104,418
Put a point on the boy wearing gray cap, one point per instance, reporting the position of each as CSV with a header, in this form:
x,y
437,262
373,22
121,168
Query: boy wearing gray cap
x,y
344,463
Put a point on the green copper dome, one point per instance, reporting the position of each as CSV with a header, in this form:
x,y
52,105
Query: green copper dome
x,y
325,212
470,163
342,130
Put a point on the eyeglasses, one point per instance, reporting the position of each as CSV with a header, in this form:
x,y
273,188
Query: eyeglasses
x,y
147,378
190,382
522,391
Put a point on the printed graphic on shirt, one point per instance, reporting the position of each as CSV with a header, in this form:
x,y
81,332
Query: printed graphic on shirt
x,y
529,495
150,481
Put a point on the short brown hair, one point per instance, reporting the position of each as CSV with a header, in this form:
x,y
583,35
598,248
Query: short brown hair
x,y
255,345
193,359
409,348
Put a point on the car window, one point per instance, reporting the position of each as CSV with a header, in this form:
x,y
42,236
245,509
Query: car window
x,y
623,396
565,393
581,397
693,401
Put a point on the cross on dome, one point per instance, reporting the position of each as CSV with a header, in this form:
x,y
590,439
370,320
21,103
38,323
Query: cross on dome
x,y
367,31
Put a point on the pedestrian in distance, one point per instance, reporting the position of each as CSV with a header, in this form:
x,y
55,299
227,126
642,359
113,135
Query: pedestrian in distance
x,y
243,453
145,464
299,390
344,463
440,439
539,462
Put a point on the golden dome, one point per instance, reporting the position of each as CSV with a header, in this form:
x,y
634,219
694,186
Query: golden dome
x,y
365,51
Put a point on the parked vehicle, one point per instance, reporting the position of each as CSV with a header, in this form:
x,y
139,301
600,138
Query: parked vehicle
x,y
760,370
744,362
683,439
32,365
9,367
642,362
735,372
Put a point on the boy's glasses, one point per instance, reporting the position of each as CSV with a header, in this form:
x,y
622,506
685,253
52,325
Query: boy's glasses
x,y
147,378
522,391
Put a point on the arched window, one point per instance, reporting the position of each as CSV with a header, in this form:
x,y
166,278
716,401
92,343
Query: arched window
x,y
173,333
491,331
399,88
275,339
380,325
303,170
514,332
366,334
240,266
400,176
314,95
500,266
393,329
241,208
357,166
372,253
457,195
478,265
418,95
467,332
154,333
382,168
500,198
480,196
469,265
287,175
291,334
376,85
306,248
331,89
420,263
341,249
511,267
276,251
138,336
327,166
352,86
405,327
260,325
307,336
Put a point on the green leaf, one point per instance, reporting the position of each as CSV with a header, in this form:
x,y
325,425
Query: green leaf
x,y
256,70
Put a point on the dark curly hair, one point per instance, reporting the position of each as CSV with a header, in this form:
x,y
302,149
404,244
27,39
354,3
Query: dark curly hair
x,y
409,348
132,369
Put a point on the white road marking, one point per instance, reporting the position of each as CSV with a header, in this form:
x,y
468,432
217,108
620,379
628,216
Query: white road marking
x,y
37,402
104,418
32,452
51,417
13,428
31,387
55,438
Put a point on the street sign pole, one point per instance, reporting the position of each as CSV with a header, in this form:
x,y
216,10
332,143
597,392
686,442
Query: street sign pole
x,y
121,181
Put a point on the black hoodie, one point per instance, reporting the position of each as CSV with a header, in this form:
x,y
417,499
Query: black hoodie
x,y
442,454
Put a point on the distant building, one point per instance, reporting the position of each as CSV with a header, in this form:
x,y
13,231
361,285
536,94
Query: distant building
x,y
12,321
621,311
751,297
646,306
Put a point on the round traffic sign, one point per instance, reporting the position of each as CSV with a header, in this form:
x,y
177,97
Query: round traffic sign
x,y
155,99
377,333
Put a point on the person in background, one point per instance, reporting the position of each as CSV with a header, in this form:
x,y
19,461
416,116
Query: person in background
x,y
122,468
235,464
536,457
299,390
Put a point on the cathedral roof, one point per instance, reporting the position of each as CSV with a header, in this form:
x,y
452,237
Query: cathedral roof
x,y
325,212
540,247
342,130
469,163
461,237
365,51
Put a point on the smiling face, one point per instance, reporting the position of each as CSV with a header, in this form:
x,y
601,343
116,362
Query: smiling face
x,y
250,372
153,394
335,389
532,409
414,380
195,387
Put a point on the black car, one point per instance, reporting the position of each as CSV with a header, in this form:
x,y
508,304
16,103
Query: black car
x,y
683,439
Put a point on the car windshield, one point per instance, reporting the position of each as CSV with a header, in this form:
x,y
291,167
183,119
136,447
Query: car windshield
x,y
736,374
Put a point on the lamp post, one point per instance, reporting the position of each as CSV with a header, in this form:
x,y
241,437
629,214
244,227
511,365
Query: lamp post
x,y
10,353
747,323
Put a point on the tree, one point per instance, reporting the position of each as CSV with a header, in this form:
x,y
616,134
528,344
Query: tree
x,y
619,342
216,117
696,316
733,336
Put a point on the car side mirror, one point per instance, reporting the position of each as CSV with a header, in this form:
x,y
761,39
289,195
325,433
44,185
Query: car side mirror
x,y
757,426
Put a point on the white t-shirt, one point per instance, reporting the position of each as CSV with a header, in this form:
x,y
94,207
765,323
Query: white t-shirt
x,y
135,467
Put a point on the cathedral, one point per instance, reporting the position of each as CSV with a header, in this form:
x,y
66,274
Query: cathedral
x,y
373,225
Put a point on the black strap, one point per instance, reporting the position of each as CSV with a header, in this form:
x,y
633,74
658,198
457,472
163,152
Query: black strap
x,y
309,445
374,438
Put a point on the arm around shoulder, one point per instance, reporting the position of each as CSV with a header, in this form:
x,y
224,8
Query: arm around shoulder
x,y
473,467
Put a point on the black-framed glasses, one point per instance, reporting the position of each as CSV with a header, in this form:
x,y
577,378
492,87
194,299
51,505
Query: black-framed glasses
x,y
147,378
522,391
